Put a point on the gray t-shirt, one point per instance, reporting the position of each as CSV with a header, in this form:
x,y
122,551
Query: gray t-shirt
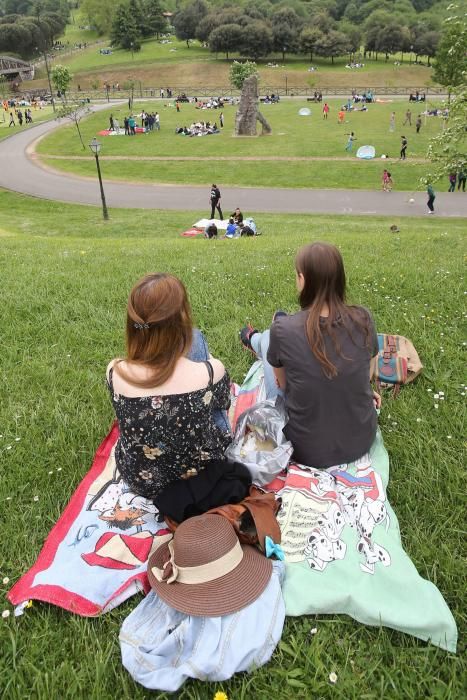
x,y
331,421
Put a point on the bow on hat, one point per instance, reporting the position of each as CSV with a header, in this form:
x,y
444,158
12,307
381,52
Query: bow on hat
x,y
169,572
203,573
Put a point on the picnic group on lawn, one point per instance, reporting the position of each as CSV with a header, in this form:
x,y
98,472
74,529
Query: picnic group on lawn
x,y
242,516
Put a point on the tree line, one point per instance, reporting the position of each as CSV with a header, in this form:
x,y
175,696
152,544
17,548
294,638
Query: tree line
x,y
324,28
136,20
29,28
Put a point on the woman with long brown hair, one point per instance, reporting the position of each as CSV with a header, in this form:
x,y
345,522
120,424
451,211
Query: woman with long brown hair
x,y
322,358
164,397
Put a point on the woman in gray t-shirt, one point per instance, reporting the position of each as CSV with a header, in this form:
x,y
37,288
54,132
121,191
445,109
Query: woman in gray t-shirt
x,y
322,358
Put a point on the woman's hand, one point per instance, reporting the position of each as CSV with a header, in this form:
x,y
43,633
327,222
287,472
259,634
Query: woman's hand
x,y
376,399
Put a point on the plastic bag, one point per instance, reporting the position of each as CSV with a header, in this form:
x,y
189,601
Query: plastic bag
x,y
259,442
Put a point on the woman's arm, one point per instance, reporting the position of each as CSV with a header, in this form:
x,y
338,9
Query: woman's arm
x,y
373,375
279,373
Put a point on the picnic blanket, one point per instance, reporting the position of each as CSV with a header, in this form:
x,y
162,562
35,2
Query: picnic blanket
x,y
339,533
95,556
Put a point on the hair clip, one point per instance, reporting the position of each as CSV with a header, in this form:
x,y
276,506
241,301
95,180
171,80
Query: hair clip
x,y
140,326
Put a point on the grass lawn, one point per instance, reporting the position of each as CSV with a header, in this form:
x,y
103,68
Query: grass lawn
x,y
38,115
65,278
293,137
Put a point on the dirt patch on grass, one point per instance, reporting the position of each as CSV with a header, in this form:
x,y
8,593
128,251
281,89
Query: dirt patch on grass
x,y
207,72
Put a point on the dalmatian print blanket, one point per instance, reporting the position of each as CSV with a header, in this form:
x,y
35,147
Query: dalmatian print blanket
x,y
343,551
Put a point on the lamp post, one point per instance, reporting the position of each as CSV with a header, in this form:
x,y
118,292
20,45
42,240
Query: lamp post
x,y
95,147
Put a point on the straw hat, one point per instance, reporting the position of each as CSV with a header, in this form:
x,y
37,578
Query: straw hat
x,y
205,571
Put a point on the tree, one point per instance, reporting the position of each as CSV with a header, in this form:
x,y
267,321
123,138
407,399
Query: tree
x,y
450,67
225,38
136,13
308,38
240,71
256,40
354,37
447,150
426,45
125,33
15,38
61,78
286,25
187,19
155,23
375,28
100,14
332,44
391,40
4,91
74,111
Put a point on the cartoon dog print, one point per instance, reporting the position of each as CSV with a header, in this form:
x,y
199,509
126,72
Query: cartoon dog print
x,y
320,550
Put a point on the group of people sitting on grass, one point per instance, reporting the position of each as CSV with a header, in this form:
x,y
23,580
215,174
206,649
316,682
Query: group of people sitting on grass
x,y
198,129
270,99
236,228
417,97
211,103
367,96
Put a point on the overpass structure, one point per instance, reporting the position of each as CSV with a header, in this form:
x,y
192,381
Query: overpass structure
x,y
15,68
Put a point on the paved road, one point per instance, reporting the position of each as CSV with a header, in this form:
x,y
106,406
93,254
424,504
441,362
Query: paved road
x,y
19,171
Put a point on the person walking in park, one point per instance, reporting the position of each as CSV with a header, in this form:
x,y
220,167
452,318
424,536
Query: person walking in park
x,y
431,198
177,105
325,110
126,126
215,201
461,178
408,118
12,120
350,141
452,182
157,121
386,181
111,123
418,124
392,122
221,119
403,153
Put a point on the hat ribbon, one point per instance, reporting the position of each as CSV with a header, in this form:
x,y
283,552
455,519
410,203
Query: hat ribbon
x,y
203,573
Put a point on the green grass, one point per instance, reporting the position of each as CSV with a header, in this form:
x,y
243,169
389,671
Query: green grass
x,y
151,51
65,278
316,174
38,115
293,136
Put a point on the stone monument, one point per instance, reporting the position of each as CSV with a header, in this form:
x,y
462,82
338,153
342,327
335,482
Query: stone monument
x,y
247,113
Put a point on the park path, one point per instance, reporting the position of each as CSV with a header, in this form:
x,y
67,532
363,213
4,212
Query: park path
x,y
21,173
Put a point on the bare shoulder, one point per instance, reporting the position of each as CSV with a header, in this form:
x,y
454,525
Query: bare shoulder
x,y
111,364
219,369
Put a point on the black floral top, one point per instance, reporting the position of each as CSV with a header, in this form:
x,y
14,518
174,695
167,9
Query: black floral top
x,y
164,438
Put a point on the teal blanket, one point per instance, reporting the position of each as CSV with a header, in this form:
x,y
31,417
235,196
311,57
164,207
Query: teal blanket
x,y
344,554
343,548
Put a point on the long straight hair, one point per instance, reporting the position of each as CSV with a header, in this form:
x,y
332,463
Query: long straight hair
x,y
159,327
323,271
